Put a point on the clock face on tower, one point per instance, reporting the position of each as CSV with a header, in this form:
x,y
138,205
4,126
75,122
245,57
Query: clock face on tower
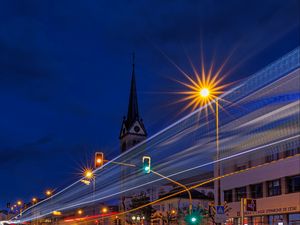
x,y
136,128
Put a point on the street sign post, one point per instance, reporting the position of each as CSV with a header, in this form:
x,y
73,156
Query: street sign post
x,y
220,216
247,204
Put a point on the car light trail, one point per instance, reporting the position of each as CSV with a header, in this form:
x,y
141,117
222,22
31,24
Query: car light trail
x,y
245,132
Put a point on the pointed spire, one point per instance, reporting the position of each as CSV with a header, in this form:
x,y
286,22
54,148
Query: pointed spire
x,y
133,111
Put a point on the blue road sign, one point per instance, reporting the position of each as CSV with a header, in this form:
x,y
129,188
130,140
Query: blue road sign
x,y
220,209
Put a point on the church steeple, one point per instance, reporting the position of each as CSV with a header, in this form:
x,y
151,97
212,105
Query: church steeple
x,y
132,129
133,109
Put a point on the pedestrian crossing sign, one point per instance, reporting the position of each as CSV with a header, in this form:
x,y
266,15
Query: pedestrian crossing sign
x,y
220,209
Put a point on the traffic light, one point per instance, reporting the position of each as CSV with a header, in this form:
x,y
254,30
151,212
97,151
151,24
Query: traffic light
x,y
99,159
146,164
193,219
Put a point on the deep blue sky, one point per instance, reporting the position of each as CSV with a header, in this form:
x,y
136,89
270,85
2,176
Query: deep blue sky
x,y
65,70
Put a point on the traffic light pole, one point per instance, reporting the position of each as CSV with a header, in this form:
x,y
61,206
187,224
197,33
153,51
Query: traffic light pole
x,y
181,185
242,211
121,163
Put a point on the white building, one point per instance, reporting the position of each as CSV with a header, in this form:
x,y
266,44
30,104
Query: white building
x,y
270,171
171,211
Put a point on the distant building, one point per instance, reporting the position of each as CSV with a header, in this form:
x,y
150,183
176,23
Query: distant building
x,y
172,210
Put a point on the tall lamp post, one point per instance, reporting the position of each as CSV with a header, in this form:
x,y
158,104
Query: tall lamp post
x,y
205,94
89,175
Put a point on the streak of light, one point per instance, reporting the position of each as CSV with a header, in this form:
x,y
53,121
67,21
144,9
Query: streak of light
x,y
201,184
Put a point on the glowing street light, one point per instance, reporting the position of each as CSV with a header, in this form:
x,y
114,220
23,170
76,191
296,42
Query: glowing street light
x,y
203,92
34,200
79,212
48,193
104,210
56,213
19,203
88,174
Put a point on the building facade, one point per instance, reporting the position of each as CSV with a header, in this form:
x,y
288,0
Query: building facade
x,y
269,171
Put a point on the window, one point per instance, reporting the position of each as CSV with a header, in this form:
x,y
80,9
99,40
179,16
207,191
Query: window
x,y
274,188
228,196
291,152
240,193
276,219
294,219
293,184
272,157
258,220
256,190
240,167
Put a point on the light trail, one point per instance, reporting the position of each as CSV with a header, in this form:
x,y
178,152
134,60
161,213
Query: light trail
x,y
188,170
199,185
196,147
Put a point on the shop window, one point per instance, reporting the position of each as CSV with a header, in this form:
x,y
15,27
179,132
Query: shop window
x,y
294,219
257,220
240,193
228,196
256,190
274,188
293,184
276,219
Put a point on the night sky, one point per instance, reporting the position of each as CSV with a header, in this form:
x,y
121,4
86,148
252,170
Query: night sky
x,y
65,69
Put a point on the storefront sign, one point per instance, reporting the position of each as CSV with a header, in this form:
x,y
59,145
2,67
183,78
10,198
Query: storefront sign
x,y
250,205
271,211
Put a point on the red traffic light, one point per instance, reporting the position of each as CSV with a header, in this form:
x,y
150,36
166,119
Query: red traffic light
x,y
99,159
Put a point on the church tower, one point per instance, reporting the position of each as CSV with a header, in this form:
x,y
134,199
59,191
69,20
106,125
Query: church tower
x,y
133,130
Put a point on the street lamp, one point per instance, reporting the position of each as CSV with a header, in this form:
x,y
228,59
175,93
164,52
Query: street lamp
x,y
19,203
48,193
204,93
34,200
104,210
79,212
88,174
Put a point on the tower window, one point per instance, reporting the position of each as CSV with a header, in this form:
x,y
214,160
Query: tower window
x,y
136,129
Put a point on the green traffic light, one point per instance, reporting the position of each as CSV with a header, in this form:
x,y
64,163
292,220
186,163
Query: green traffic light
x,y
146,168
193,219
